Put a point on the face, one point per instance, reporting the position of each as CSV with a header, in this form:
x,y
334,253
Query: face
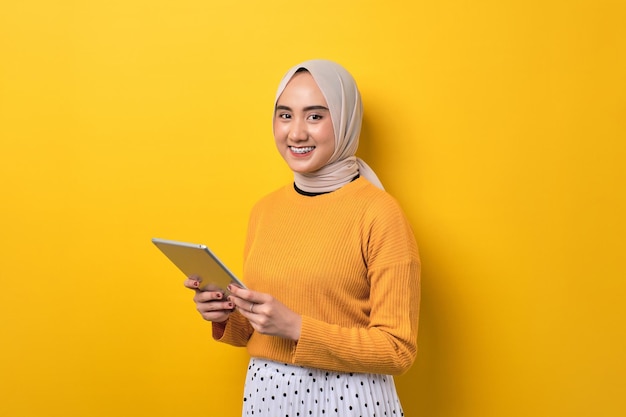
x,y
303,128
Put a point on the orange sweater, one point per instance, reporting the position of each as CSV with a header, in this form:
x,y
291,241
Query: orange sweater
x,y
347,262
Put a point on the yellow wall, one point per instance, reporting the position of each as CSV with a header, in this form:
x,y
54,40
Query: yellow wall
x,y
499,125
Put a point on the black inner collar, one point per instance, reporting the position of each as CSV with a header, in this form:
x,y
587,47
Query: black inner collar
x,y
309,194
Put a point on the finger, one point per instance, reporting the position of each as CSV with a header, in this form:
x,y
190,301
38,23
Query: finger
x,y
239,303
226,306
192,283
248,307
244,294
245,307
206,296
216,317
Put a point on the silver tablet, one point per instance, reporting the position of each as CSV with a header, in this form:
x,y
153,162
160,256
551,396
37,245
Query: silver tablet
x,y
196,260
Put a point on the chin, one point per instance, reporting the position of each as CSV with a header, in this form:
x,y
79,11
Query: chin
x,y
299,167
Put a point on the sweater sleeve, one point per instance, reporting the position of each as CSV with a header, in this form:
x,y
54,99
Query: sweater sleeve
x,y
388,344
235,331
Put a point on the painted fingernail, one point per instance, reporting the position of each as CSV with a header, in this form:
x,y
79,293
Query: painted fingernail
x,y
230,287
195,283
218,295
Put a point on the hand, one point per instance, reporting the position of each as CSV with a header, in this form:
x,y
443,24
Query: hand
x,y
210,304
266,314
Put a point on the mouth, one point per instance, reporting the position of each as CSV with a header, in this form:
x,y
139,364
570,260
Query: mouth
x,y
301,151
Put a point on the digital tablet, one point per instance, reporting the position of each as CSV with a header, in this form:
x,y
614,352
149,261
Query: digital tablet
x,y
196,260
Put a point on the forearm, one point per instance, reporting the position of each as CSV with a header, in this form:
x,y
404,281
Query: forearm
x,y
387,344
367,350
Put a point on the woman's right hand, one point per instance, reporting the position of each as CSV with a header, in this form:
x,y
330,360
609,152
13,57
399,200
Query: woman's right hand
x,y
211,305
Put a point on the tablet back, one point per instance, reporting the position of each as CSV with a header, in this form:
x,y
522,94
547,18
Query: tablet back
x,y
195,260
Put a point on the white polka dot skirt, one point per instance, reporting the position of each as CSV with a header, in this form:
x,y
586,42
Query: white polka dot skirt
x,y
279,390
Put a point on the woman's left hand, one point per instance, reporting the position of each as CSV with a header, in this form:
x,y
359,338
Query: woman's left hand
x,y
266,314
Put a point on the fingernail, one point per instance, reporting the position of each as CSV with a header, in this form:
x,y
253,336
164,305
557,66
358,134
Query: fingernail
x,y
218,295
230,305
230,287
196,284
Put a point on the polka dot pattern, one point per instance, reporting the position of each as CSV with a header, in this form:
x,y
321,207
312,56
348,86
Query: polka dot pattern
x,y
280,390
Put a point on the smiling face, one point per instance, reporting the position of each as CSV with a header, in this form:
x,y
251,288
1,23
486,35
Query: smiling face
x,y
303,128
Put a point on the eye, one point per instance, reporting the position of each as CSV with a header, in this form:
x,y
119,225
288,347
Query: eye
x,y
284,116
316,117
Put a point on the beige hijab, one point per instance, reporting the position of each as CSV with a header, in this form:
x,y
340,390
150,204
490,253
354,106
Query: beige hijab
x,y
346,111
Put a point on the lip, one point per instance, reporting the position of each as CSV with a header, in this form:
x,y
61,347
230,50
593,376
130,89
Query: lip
x,y
301,155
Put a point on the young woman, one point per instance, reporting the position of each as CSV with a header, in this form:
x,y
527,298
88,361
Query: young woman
x,y
331,263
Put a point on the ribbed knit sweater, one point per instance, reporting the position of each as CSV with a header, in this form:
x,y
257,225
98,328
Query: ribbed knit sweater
x,y
347,262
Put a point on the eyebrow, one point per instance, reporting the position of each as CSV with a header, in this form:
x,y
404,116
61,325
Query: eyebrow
x,y
309,108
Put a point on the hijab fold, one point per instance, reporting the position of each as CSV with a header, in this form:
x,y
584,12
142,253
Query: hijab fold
x,y
346,111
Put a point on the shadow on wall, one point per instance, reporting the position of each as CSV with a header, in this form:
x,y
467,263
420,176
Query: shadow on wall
x,y
423,388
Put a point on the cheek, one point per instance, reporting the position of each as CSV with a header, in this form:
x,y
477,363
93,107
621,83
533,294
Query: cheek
x,y
328,134
279,137
279,130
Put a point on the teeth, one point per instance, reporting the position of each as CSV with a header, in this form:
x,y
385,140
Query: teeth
x,y
302,150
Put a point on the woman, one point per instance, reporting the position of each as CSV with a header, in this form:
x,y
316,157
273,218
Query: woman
x,y
331,263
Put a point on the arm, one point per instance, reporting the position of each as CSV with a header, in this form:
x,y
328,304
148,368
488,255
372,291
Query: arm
x,y
388,343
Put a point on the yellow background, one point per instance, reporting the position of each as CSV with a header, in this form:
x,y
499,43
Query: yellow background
x,y
499,125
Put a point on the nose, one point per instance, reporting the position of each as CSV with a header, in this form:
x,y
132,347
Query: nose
x,y
297,130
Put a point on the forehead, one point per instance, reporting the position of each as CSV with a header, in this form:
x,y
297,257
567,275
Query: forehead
x,y
302,88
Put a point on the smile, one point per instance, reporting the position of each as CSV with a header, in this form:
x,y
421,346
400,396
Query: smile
x,y
301,151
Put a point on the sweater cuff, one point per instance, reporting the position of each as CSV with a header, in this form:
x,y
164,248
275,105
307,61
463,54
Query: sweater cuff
x,y
219,329
305,350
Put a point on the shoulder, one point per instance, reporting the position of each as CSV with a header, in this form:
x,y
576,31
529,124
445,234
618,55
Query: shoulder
x,y
273,196
375,200
272,201
389,234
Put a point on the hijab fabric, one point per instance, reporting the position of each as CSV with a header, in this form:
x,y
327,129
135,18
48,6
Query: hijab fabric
x,y
346,111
